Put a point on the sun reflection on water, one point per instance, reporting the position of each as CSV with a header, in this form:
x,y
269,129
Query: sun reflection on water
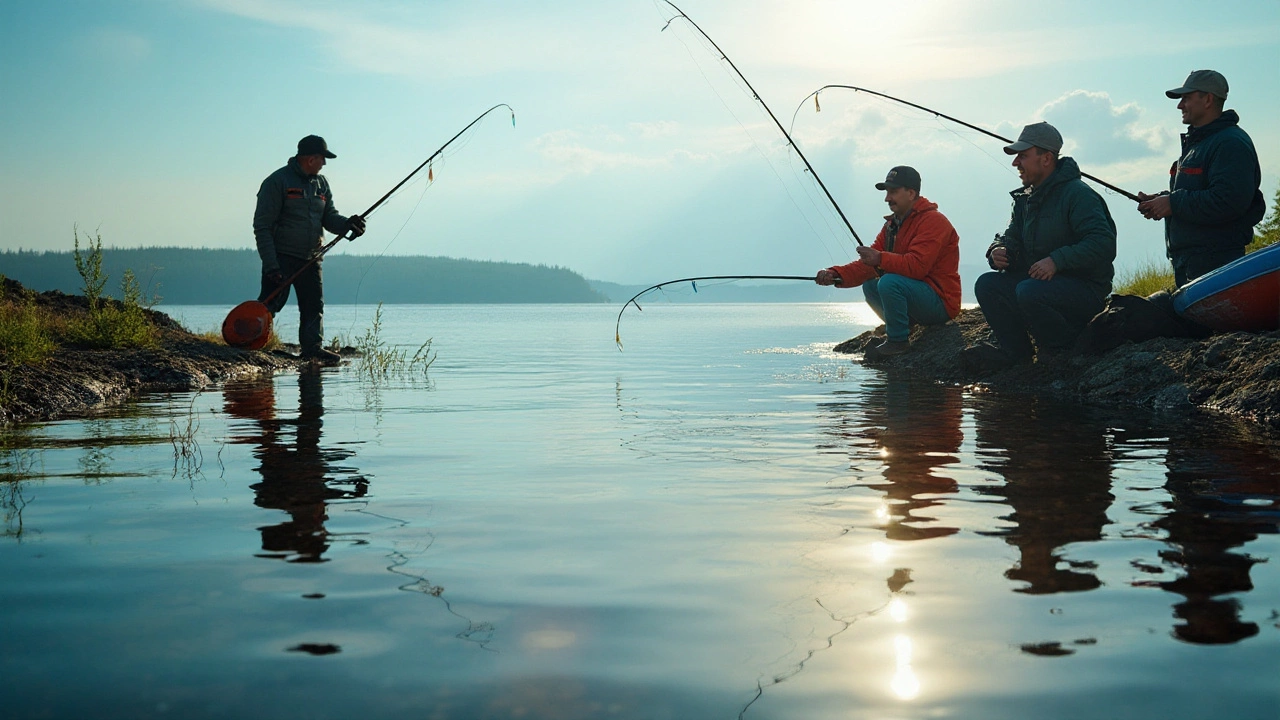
x,y
905,684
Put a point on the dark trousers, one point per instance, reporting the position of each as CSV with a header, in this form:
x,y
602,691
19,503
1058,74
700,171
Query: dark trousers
x,y
1189,266
310,290
1019,308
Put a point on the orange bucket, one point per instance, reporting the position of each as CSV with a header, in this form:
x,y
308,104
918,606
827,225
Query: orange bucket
x,y
248,326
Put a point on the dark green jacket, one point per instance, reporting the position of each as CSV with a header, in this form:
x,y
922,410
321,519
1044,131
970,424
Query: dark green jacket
x,y
1066,220
1214,190
293,211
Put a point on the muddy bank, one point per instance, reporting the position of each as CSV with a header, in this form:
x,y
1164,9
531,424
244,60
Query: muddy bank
x,y
1237,374
75,382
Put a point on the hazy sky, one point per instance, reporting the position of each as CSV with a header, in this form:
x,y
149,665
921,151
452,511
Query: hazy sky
x,y
636,156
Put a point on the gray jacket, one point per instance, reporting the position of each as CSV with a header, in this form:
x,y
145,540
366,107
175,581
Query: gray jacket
x,y
293,210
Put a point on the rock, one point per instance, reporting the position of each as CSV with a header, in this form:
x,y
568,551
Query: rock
x,y
1236,374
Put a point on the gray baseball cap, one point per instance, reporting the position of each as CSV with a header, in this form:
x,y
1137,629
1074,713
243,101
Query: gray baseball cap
x,y
1041,135
1207,81
901,176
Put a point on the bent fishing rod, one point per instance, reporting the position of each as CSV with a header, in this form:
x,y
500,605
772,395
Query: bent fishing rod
x,y
316,257
617,328
760,100
958,121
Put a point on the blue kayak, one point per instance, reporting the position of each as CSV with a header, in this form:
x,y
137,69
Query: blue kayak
x,y
1243,295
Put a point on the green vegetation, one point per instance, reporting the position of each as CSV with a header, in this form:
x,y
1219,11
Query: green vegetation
x,y
380,360
1268,232
205,276
1149,277
109,325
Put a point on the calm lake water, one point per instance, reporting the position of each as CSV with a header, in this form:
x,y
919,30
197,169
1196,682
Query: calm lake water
x,y
725,520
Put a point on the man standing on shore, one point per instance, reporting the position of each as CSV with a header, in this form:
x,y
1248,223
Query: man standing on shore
x,y
1214,197
295,207
910,273
1053,265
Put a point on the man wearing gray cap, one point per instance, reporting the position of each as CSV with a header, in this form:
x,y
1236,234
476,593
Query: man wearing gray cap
x,y
1053,264
295,207
1215,196
910,274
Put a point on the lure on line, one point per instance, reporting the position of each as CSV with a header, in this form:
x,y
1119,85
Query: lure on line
x,y
988,133
617,328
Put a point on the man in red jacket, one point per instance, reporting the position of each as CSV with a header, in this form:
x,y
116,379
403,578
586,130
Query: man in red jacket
x,y
910,273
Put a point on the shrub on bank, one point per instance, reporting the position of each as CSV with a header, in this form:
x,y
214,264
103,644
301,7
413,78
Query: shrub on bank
x,y
109,324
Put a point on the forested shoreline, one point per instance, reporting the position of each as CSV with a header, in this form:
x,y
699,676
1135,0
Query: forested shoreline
x,y
190,276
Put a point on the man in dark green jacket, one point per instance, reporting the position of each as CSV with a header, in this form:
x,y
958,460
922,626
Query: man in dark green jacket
x,y
295,207
1054,262
1215,196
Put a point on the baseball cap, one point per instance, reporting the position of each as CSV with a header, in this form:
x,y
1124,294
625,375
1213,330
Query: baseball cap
x,y
314,145
901,176
1041,135
1208,81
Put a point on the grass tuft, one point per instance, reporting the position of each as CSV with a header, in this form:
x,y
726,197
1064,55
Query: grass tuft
x,y
379,360
1150,277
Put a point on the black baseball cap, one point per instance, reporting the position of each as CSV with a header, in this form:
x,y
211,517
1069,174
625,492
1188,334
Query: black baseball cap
x,y
314,145
901,176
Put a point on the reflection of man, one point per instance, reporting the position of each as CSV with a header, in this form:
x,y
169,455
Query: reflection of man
x,y
295,207
918,253
1057,483
1054,262
1214,197
916,430
1207,524
296,472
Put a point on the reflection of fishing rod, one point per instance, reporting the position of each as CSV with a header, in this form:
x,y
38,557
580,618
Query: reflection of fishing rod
x,y
760,100
988,133
617,328
248,325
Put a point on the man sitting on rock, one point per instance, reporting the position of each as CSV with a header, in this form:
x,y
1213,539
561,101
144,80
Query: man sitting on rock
x,y
910,273
1053,265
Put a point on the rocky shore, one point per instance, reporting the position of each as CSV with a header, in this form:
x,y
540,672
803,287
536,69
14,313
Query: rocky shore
x,y
1236,374
77,382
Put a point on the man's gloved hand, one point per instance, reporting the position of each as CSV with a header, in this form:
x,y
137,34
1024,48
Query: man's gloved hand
x,y
356,224
274,277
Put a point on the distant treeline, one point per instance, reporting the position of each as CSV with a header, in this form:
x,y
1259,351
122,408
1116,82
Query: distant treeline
x,y
190,276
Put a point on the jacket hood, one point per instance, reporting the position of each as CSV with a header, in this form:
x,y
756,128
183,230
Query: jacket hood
x,y
1228,118
1066,172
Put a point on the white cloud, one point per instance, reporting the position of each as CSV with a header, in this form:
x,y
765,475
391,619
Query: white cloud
x,y
1094,126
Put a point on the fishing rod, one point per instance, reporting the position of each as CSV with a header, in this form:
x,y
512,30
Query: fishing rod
x,y
617,328
248,325
390,192
988,133
760,100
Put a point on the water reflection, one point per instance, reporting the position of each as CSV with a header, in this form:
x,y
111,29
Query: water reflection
x,y
299,475
1222,495
1056,463
912,430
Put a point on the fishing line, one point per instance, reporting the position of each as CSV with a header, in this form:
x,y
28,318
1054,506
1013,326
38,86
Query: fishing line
x,y
438,155
756,143
617,328
756,96
944,116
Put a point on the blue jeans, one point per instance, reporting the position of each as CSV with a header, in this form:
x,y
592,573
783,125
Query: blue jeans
x,y
1054,312
900,301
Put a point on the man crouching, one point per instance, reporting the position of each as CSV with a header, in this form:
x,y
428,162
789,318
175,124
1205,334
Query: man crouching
x,y
1053,264
910,274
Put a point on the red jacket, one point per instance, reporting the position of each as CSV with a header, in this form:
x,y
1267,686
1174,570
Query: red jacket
x,y
927,248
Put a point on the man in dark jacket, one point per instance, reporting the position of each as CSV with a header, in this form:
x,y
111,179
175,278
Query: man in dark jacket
x,y
295,207
1214,197
1054,262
